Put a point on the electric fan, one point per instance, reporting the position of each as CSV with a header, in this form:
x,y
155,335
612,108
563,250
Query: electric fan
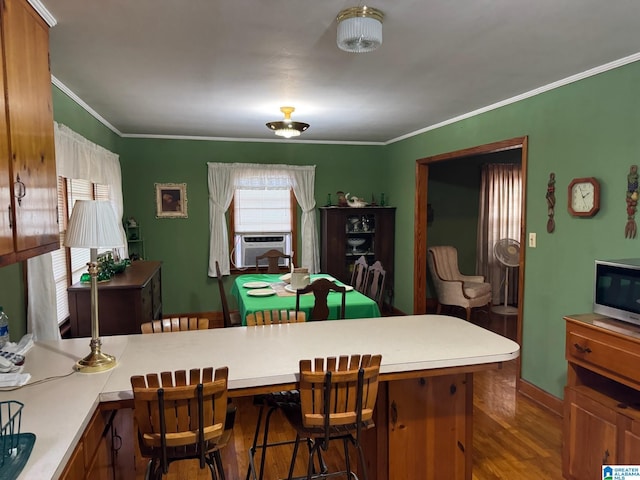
x,y
507,252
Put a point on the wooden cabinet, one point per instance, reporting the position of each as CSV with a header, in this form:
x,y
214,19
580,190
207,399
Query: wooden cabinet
x,y
125,302
105,451
601,406
348,233
28,185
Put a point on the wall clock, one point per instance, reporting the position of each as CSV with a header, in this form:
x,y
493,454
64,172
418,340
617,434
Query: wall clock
x,y
584,197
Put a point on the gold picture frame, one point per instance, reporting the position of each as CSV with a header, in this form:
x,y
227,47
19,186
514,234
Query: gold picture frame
x,y
171,200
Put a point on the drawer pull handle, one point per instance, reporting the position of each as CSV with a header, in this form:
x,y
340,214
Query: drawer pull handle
x,y
582,349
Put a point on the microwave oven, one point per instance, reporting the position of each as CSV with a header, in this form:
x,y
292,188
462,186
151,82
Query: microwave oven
x,y
617,289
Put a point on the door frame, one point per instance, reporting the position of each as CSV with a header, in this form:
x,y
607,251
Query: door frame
x,y
420,269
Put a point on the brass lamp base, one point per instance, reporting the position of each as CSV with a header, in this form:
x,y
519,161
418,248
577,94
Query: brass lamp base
x,y
96,361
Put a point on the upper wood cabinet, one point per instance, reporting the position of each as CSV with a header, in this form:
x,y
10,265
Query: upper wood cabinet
x,y
28,216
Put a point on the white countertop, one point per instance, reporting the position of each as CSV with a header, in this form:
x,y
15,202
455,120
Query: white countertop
x,y
57,411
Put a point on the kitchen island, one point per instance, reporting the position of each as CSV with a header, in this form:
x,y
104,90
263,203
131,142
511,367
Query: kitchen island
x,y
424,411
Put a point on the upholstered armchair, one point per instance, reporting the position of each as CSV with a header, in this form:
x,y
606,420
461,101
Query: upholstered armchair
x,y
452,287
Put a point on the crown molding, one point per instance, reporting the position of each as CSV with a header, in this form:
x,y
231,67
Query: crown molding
x,y
532,93
43,12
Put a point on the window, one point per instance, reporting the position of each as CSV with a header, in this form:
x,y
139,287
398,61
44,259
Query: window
x,y
70,263
261,220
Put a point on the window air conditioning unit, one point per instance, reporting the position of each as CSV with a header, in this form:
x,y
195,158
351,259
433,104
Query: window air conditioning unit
x,y
253,245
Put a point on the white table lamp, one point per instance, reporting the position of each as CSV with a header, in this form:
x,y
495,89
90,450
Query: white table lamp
x,y
93,225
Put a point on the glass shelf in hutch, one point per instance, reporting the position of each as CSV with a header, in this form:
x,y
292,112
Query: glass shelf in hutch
x,y
350,232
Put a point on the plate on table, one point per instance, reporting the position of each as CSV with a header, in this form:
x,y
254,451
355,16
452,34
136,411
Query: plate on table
x,y
347,288
289,288
261,292
326,277
286,278
255,284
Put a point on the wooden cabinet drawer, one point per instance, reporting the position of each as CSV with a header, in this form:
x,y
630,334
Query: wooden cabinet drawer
x,y
614,357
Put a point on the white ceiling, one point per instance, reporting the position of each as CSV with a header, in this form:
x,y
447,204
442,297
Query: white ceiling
x,y
223,68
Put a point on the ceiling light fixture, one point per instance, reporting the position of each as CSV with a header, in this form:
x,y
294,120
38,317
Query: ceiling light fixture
x,y
287,128
359,29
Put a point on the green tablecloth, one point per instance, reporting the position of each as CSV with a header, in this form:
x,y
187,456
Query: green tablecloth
x,y
357,304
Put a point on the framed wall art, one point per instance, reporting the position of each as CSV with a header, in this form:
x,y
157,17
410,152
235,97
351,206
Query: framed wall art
x,y
171,200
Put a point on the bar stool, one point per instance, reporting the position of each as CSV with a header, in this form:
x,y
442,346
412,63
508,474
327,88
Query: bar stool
x,y
181,418
270,401
337,399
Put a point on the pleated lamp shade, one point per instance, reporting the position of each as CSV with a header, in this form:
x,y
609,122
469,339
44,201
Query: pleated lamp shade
x,y
93,224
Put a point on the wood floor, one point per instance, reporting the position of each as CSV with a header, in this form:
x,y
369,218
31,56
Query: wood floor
x,y
513,437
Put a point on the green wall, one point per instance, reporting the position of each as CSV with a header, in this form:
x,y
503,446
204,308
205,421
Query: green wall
x,y
588,128
183,244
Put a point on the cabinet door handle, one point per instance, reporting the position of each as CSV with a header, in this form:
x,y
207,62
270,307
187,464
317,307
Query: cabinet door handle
x,y
605,457
10,218
582,349
19,189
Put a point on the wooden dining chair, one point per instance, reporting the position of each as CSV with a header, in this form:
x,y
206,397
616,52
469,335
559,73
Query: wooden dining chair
x,y
175,324
273,258
231,319
269,401
181,416
359,274
320,289
374,283
269,317
337,398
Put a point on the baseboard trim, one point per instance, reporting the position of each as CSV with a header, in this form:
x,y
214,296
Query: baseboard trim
x,y
541,397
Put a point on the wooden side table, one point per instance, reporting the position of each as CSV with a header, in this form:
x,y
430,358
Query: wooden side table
x,y
126,301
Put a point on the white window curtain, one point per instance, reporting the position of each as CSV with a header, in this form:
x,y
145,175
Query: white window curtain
x,y
76,157
499,217
224,178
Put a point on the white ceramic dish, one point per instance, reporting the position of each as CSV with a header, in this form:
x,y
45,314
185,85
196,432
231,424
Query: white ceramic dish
x,y
289,288
261,292
286,278
255,285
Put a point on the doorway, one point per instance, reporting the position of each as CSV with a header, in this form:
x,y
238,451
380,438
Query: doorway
x,y
420,279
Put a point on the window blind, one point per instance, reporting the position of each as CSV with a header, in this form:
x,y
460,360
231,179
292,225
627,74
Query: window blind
x,y
262,211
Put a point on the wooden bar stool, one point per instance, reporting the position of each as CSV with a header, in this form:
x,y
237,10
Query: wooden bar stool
x,y
337,399
271,401
181,418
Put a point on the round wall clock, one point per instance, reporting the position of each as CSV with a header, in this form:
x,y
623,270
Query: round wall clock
x,y
584,197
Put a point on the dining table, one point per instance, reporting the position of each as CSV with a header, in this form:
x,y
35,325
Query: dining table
x,y
257,292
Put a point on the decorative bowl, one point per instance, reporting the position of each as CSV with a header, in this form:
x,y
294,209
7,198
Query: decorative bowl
x,y
355,242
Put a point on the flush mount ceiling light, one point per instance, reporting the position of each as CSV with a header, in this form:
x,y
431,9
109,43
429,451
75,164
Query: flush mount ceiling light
x,y
287,128
359,29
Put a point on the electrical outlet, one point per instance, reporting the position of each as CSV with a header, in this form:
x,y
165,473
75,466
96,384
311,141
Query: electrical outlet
x,y
532,240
